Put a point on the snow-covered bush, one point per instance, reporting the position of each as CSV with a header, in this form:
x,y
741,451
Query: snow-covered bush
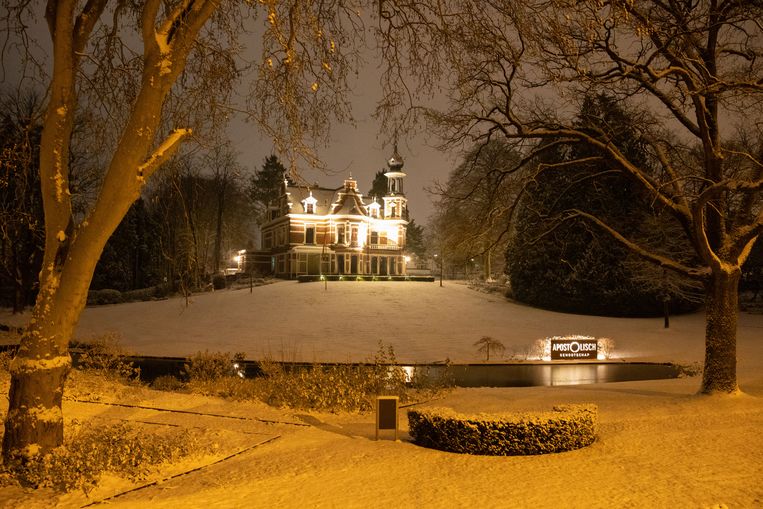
x,y
568,427
539,349
142,294
606,347
104,355
332,388
218,282
121,449
106,296
111,296
167,383
341,387
208,366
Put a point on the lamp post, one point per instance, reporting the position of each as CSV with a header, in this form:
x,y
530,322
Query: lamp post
x,y
438,259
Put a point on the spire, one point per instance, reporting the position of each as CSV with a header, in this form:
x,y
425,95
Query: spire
x,y
396,162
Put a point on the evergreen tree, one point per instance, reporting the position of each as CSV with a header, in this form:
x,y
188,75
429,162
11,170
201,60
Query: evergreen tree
x,y
414,236
265,184
572,266
378,186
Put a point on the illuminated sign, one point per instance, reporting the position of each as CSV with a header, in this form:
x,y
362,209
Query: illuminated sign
x,y
573,348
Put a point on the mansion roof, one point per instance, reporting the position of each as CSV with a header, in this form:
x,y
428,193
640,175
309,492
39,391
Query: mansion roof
x,y
343,200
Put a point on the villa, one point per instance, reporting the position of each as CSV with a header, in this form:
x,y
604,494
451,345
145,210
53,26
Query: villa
x,y
313,230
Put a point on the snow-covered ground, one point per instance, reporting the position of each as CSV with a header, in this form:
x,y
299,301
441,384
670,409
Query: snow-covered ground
x,y
423,321
659,444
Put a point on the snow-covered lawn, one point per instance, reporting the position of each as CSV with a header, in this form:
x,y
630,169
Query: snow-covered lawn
x,y
659,444
423,321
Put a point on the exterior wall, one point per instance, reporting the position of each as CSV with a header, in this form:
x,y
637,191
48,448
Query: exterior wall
x,y
326,256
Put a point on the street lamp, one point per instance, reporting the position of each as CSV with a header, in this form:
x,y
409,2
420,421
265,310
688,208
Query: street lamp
x,y
439,259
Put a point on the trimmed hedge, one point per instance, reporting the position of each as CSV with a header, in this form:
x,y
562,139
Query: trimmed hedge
x,y
105,296
218,282
566,428
111,296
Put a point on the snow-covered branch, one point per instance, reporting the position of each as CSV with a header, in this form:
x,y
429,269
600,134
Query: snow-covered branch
x,y
163,152
662,261
85,23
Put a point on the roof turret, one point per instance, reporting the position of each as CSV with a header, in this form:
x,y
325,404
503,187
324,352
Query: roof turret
x,y
395,162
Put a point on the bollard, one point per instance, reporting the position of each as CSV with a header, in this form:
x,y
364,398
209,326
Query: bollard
x,y
387,414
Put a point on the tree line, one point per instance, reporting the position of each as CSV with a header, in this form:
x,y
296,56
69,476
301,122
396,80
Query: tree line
x,y
183,229
512,223
180,232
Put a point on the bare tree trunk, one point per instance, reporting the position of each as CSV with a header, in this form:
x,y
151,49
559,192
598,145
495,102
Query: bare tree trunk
x,y
720,336
222,184
34,423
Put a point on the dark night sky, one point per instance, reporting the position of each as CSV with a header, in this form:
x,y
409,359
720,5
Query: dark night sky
x,y
361,150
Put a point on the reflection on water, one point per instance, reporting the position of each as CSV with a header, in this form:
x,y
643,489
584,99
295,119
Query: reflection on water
x,y
527,375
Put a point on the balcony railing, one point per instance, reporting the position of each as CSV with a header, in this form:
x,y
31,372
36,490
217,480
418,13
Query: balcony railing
x,y
388,247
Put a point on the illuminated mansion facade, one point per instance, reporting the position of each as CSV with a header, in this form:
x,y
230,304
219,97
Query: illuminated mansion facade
x,y
317,230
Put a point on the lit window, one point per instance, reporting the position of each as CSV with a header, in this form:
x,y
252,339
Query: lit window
x,y
309,204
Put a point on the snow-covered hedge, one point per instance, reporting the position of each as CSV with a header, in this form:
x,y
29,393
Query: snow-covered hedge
x,y
566,428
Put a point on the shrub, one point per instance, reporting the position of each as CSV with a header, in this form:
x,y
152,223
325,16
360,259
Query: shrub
x,y
105,356
218,282
206,366
141,294
167,383
567,428
330,388
606,347
690,370
342,387
121,449
101,297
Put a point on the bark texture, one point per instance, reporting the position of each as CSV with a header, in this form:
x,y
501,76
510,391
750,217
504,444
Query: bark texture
x,y
719,374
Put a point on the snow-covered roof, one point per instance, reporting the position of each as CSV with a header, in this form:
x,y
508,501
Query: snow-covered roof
x,y
324,198
344,200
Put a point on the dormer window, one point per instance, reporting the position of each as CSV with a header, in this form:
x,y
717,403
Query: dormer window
x,y
309,204
373,209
